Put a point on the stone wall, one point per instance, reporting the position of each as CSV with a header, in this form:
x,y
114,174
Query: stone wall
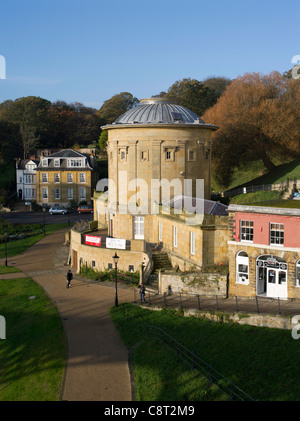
x,y
82,254
193,283
260,320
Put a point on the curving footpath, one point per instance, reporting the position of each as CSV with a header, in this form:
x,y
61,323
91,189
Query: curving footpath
x,y
97,360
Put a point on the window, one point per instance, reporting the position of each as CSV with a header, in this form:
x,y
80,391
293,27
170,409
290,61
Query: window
x,y
168,156
56,177
81,177
192,243
45,162
56,162
276,234
70,177
93,263
138,227
246,230
30,193
131,268
70,194
110,266
144,155
45,193
75,162
242,268
29,179
123,156
159,231
297,273
192,156
56,193
44,177
82,195
174,236
176,116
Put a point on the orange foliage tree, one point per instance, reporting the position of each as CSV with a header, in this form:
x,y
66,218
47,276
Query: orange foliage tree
x,y
258,118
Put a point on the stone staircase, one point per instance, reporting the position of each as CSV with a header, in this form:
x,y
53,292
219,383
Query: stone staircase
x,y
160,261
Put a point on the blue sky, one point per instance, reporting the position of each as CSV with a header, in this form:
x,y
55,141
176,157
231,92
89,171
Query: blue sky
x,y
87,51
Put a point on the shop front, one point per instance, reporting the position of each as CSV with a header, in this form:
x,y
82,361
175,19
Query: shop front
x,y
271,276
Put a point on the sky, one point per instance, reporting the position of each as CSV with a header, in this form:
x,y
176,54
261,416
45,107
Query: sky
x,y
87,51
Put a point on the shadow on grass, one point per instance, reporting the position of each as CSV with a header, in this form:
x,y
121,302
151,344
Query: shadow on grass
x,y
263,362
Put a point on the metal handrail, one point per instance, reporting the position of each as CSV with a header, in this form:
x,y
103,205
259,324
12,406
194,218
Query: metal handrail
x,y
224,384
215,302
149,266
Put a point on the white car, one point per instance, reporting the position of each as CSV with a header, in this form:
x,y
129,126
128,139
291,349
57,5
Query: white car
x,y
58,210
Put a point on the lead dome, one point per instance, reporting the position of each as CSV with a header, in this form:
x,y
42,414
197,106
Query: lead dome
x,y
158,111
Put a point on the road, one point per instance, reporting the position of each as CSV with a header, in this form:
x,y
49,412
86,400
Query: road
x,y
38,217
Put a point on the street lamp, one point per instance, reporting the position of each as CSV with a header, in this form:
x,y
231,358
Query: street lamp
x,y
116,259
44,211
5,244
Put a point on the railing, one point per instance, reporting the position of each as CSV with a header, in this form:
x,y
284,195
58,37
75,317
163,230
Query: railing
x,y
225,385
285,184
258,304
149,266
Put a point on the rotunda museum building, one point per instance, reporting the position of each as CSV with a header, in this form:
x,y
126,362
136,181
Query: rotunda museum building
x,y
152,150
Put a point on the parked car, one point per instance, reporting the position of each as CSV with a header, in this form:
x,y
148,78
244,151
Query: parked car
x,y
85,209
58,210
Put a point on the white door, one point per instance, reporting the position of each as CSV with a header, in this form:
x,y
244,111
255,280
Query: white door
x,y
138,227
276,283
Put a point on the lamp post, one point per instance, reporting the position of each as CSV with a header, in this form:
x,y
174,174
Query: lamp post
x,y
44,226
116,259
5,245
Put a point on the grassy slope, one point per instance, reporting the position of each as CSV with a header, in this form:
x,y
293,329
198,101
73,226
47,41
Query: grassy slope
x,y
255,174
33,355
263,362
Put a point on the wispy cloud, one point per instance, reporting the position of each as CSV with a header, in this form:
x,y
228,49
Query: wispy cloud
x,y
33,80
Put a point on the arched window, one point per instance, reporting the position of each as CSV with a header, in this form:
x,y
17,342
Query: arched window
x,y
297,273
242,268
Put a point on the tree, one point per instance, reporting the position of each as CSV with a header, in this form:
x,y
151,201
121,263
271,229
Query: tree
x,y
10,146
103,140
217,83
31,116
254,123
117,105
192,94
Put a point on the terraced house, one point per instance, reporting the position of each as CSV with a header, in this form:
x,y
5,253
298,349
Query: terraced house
x,y
65,176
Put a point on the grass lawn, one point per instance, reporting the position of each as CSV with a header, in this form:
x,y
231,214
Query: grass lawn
x,y
263,362
8,269
255,174
19,246
33,355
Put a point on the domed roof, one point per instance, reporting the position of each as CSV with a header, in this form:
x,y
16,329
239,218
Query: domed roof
x,y
158,110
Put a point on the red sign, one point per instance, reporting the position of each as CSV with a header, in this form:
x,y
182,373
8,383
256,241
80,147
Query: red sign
x,y
92,240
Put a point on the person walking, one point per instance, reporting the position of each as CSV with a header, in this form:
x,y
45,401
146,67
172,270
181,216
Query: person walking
x,y
142,292
69,278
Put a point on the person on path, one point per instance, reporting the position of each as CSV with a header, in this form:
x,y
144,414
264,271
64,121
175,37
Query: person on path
x,y
142,292
69,278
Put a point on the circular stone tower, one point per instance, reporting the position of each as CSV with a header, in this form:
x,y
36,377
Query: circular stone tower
x,y
154,143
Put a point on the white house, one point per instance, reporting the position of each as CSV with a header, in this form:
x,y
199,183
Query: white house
x,y
26,178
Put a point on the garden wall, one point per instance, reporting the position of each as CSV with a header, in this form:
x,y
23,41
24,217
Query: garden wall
x,y
193,283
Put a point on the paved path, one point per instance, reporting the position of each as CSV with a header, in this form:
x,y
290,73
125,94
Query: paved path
x,y
97,364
